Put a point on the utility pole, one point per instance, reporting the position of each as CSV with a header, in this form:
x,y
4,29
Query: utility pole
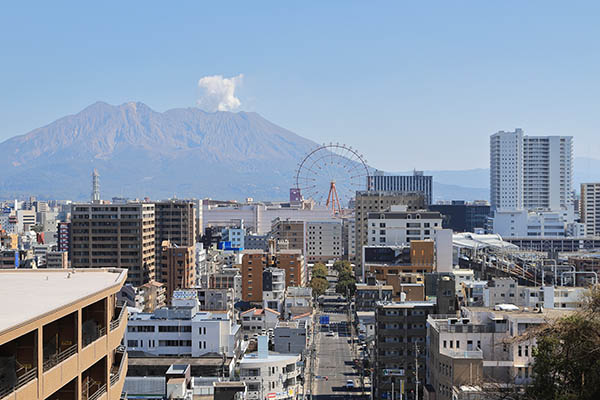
x,y
416,371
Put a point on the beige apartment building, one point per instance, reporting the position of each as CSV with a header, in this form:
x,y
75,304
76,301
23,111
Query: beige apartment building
x,y
63,341
377,201
115,235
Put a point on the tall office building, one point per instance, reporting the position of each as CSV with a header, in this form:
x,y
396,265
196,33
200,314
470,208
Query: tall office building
x,y
377,200
530,172
114,235
589,208
417,182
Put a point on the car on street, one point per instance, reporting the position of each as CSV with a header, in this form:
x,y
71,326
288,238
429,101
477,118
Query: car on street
x,y
349,384
330,333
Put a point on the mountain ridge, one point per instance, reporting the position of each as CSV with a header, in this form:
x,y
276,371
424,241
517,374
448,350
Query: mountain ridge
x,y
183,151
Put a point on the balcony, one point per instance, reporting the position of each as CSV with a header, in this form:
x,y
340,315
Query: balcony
x,y
18,368
93,382
25,385
118,372
117,326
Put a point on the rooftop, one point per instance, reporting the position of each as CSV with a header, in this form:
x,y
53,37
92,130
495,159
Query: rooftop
x,y
43,291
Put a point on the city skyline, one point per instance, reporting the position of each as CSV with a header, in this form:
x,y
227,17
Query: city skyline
x,y
429,75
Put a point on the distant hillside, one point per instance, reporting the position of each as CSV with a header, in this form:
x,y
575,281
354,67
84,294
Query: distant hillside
x,y
140,152
183,152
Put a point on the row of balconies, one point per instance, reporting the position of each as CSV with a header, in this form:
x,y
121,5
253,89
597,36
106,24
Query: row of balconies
x,y
60,369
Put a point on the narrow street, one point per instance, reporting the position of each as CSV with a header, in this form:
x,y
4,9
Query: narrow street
x,y
334,360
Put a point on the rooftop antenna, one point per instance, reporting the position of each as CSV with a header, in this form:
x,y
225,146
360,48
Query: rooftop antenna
x,y
95,186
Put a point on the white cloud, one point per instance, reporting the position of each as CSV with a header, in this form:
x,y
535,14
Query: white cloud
x,y
218,93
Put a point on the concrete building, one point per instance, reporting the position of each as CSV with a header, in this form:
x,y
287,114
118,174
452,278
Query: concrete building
x,y
178,267
258,217
589,208
462,216
480,347
400,338
523,223
376,201
114,235
234,236
146,298
324,241
290,337
175,221
256,242
63,341
64,236
256,320
273,288
292,262
508,291
349,238
25,219
367,295
381,261
57,259
292,231
530,172
298,301
228,278
270,375
399,226
417,182
255,262
182,330
216,299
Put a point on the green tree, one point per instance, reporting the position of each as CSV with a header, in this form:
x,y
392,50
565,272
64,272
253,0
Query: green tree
x,y
346,286
319,286
567,357
319,270
341,266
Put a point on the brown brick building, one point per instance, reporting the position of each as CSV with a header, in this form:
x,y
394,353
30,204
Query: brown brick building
x,y
178,267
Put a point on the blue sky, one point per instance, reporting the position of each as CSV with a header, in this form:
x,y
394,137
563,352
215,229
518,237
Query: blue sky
x,y
412,85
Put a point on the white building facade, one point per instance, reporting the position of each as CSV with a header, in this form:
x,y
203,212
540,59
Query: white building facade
x,y
589,208
183,330
324,240
398,226
530,172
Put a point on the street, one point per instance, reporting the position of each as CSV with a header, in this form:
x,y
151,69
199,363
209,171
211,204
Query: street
x,y
334,360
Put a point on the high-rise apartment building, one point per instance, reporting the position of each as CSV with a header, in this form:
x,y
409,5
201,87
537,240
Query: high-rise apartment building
x,y
64,340
417,182
589,208
530,172
177,267
374,201
175,221
114,235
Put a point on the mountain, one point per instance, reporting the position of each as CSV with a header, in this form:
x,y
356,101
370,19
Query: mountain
x,y
184,152
140,152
